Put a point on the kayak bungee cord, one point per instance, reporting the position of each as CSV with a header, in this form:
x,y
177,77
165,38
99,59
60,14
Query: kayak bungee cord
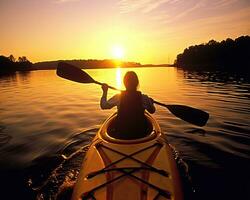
x,y
125,156
124,170
149,167
163,172
91,175
90,193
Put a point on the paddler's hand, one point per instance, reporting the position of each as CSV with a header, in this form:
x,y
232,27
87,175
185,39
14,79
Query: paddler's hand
x,y
150,106
105,88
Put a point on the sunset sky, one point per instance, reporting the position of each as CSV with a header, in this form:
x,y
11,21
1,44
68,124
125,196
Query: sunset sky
x,y
146,31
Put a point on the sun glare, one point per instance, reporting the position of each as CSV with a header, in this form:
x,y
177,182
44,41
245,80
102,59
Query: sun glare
x,y
118,52
118,77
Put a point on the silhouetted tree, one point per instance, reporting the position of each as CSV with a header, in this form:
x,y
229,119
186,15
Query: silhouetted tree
x,y
227,55
8,64
12,58
22,59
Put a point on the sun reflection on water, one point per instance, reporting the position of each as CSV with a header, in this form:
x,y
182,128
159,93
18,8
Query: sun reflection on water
x,y
118,77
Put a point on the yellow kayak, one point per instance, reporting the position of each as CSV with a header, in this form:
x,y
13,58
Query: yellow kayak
x,y
140,169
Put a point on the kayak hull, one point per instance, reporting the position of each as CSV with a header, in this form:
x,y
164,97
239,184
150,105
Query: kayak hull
x,y
115,169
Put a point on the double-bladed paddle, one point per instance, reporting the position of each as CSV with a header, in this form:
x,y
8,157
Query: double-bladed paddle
x,y
192,115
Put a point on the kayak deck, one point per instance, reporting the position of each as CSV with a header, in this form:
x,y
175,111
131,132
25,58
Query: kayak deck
x,y
128,169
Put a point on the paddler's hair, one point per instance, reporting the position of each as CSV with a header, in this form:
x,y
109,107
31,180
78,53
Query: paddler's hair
x,y
130,80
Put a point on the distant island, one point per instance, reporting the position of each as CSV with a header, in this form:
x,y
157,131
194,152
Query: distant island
x,y
227,55
86,64
93,64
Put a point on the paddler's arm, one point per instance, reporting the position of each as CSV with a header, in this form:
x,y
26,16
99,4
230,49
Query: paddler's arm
x,y
112,102
148,104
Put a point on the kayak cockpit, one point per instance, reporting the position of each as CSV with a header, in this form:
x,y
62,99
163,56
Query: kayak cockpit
x,y
108,131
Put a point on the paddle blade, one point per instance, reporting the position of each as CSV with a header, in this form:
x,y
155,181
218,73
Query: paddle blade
x,y
73,73
189,114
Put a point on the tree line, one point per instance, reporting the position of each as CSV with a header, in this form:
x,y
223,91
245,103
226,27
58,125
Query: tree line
x,y
228,54
90,63
11,64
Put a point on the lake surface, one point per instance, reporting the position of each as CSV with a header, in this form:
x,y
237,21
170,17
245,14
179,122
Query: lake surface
x,y
46,121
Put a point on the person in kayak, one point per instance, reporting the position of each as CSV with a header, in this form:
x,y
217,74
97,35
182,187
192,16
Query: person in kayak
x,y
131,122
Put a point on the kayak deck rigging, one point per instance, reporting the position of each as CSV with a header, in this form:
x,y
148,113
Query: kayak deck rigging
x,y
128,171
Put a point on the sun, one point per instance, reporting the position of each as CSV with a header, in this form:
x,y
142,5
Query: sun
x,y
117,52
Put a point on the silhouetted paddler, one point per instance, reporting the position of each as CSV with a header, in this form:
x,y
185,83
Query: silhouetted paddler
x,y
131,104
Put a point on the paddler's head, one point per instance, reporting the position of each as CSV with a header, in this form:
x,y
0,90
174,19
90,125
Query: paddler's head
x,y
131,81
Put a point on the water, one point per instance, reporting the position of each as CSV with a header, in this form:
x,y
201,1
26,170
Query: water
x,y
46,123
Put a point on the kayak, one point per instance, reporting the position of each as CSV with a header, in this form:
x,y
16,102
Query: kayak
x,y
118,169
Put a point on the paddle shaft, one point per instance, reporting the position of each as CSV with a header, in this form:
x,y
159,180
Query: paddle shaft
x,y
113,88
160,104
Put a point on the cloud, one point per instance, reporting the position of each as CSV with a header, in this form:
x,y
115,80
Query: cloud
x,y
182,8
154,5
185,12
65,1
224,3
196,18
145,6
234,23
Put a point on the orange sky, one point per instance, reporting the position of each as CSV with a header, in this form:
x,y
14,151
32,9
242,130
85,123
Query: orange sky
x,y
147,31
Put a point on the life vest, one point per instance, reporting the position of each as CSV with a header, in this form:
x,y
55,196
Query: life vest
x,y
131,121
